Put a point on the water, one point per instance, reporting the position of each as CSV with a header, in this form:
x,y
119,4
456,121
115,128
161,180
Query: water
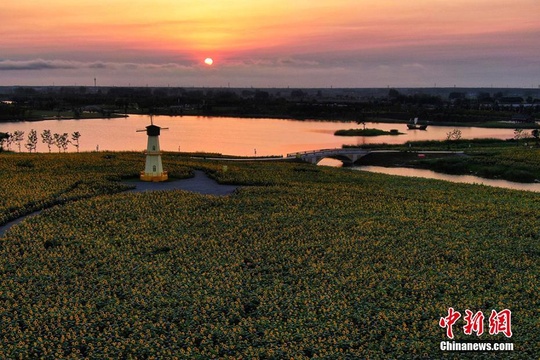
x,y
428,174
468,179
248,137
231,136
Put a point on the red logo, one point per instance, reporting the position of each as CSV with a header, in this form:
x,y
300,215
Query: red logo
x,y
449,321
499,322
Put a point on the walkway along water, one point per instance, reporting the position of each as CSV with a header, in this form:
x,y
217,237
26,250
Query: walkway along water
x,y
200,183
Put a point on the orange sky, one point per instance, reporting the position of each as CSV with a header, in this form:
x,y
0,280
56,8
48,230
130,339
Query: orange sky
x,y
354,42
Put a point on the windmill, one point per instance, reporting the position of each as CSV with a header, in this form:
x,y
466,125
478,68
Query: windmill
x,y
153,170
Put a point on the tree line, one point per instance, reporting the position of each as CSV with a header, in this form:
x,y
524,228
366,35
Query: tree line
x,y
61,141
437,105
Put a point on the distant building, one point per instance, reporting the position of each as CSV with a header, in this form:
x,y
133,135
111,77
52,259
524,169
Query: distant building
x,y
522,118
510,102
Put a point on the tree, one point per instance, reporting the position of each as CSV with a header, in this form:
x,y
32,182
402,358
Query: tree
x,y
453,135
31,144
536,134
75,139
61,141
520,134
64,141
18,136
484,96
362,120
9,140
3,138
47,138
298,94
393,94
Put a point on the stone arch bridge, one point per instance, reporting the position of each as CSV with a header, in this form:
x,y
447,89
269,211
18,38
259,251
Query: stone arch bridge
x,y
347,156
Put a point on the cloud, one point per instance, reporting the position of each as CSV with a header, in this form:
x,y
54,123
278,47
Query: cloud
x,y
37,64
98,65
40,64
414,66
295,62
273,62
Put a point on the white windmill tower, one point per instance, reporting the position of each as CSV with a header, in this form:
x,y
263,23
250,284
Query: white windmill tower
x,y
153,170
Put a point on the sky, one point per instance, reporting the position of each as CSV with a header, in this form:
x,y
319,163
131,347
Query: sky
x,y
271,43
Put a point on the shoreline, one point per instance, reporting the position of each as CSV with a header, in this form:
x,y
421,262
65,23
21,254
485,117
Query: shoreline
x,y
430,161
487,125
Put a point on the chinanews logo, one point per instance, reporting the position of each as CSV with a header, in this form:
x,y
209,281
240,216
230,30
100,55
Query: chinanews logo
x,y
499,322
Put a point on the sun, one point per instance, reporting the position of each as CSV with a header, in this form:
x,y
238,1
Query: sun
x,y
208,61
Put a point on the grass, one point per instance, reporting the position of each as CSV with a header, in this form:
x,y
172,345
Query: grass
x,y
489,158
482,165
303,262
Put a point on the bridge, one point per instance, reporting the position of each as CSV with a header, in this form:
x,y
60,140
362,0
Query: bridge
x,y
347,156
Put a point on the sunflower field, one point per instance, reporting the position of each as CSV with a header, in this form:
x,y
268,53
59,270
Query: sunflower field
x,y
31,183
301,262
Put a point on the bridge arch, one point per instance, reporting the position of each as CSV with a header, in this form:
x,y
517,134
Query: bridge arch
x,y
346,160
346,156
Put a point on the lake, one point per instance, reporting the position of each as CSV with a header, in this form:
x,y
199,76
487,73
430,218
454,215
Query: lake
x,y
248,137
231,136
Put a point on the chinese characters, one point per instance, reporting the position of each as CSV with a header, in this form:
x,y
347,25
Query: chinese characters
x,y
499,322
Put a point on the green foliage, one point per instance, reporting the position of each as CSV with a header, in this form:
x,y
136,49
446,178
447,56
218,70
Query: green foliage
x,y
460,143
3,138
306,262
513,164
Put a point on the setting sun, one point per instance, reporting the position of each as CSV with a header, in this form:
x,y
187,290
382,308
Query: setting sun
x,y
267,44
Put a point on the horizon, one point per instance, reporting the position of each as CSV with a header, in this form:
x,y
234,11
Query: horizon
x,y
317,44
380,88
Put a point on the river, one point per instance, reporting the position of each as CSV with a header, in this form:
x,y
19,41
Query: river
x,y
467,179
428,174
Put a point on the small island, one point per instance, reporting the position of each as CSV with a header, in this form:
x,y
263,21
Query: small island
x,y
366,132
